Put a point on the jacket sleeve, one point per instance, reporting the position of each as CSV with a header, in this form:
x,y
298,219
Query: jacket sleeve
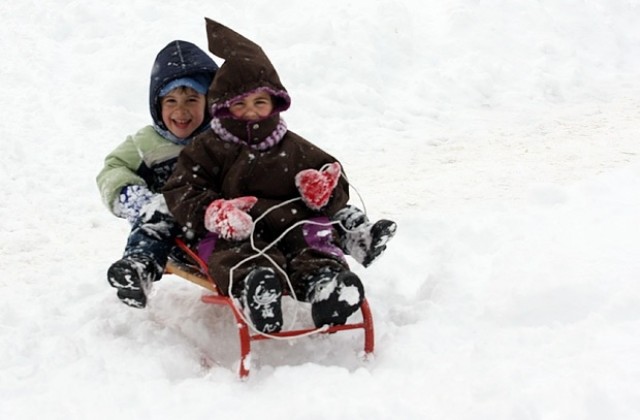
x,y
193,186
340,196
118,171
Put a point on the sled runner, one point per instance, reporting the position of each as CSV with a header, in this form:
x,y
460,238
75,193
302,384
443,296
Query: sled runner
x,y
198,273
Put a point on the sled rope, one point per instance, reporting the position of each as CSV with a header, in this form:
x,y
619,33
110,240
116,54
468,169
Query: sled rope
x,y
262,253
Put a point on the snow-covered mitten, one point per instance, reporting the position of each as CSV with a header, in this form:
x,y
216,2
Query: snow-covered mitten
x,y
131,200
316,186
229,218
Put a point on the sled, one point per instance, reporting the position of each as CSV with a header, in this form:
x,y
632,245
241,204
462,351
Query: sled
x,y
196,271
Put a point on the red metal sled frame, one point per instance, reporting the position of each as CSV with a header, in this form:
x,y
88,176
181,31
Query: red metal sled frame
x,y
199,274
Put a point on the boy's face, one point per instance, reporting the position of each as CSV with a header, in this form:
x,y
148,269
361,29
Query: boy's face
x,y
183,111
252,107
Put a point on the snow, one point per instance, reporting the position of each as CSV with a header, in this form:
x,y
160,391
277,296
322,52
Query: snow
x,y
500,135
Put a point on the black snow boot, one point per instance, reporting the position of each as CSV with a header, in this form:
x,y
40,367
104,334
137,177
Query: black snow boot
x,y
363,240
133,276
261,300
374,242
334,297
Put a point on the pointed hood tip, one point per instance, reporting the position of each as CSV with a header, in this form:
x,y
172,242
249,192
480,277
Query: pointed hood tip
x,y
245,69
226,43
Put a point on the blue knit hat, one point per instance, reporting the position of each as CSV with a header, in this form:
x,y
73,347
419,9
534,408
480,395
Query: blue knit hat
x,y
199,83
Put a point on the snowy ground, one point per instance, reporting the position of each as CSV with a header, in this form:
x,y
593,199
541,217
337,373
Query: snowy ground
x,y
501,135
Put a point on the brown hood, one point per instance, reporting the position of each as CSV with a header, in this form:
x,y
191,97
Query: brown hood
x,y
246,69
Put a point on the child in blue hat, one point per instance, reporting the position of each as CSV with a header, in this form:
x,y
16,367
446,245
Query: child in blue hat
x,y
134,173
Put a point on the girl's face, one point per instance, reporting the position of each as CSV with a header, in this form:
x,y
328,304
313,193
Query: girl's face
x,y
253,107
183,111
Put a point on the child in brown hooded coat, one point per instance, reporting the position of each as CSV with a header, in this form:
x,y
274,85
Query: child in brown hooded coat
x,y
263,196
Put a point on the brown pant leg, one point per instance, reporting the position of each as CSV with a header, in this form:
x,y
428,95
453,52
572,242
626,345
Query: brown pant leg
x,y
228,254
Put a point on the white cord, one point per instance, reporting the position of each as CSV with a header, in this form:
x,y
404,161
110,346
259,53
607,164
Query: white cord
x,y
262,252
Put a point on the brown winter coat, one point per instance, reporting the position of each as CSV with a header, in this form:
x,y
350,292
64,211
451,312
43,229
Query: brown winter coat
x,y
259,159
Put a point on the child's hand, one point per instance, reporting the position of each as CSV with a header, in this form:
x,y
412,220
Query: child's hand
x,y
229,218
316,186
131,201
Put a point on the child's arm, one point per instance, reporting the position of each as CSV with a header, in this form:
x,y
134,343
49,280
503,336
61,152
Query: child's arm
x,y
193,186
119,170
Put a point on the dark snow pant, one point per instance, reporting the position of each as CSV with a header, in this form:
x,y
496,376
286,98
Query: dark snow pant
x,y
305,251
152,235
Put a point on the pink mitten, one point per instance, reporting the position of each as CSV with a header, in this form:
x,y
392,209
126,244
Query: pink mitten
x,y
229,218
316,186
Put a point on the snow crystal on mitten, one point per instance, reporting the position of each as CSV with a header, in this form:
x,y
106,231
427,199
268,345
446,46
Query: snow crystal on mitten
x,y
316,186
229,218
131,200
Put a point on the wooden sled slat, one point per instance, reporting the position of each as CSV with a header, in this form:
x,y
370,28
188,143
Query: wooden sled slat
x,y
190,273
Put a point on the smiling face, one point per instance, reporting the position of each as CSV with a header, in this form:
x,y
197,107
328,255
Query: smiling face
x,y
183,111
253,107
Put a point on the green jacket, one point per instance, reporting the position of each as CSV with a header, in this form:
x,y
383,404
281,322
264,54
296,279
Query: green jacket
x,y
145,158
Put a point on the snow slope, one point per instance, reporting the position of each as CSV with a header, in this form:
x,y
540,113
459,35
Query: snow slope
x,y
500,135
